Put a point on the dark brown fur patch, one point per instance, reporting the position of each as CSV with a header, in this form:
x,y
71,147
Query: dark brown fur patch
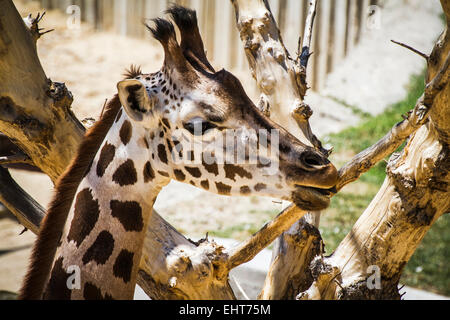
x,y
52,225
166,123
86,213
149,174
163,173
92,292
129,214
106,157
124,265
101,249
125,174
231,171
179,175
205,184
260,186
162,153
125,132
57,285
245,190
195,172
211,168
223,188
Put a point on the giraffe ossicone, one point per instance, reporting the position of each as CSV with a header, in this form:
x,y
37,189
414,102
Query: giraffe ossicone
x,y
171,124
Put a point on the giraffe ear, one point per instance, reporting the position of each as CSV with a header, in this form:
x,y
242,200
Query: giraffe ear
x,y
134,98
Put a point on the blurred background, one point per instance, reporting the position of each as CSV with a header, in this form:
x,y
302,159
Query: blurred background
x,y
360,82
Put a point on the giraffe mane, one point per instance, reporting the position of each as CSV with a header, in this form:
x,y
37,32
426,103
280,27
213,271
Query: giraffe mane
x,y
132,72
52,225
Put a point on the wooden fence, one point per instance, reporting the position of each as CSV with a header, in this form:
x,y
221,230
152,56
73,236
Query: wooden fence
x,y
339,26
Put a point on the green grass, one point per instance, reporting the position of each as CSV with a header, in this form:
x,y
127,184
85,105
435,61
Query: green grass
x,y
428,267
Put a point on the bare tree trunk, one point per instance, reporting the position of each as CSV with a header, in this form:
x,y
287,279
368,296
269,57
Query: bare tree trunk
x,y
282,81
34,111
414,194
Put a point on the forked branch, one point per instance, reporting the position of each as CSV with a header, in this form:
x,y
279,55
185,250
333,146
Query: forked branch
x,y
423,55
366,159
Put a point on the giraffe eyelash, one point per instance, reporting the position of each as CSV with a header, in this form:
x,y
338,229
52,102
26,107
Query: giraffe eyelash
x,y
205,126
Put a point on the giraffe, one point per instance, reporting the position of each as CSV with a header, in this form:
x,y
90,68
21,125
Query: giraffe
x,y
97,219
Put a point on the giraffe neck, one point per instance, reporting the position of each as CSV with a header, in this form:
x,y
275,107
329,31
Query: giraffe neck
x,y
103,236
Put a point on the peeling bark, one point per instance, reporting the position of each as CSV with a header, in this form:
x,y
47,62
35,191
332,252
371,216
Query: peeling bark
x,y
414,195
34,111
298,268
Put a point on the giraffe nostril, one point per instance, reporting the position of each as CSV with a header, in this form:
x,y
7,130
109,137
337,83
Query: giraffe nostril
x,y
313,160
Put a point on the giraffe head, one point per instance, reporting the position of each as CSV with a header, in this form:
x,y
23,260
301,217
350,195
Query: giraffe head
x,y
201,127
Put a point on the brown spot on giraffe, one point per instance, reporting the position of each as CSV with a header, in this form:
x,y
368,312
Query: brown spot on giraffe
x,y
92,292
232,170
101,249
194,171
129,214
149,174
211,166
86,213
223,188
260,186
106,157
179,174
125,174
205,184
125,132
191,155
124,265
162,153
57,287
245,190
163,173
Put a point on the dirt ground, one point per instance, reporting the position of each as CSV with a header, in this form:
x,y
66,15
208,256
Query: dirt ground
x,y
91,63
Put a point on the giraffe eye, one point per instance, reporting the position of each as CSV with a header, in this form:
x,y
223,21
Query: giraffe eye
x,y
198,126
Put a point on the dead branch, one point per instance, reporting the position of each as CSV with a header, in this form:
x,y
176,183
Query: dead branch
x,y
414,195
33,26
366,159
34,111
16,158
283,85
248,249
423,55
271,65
26,209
